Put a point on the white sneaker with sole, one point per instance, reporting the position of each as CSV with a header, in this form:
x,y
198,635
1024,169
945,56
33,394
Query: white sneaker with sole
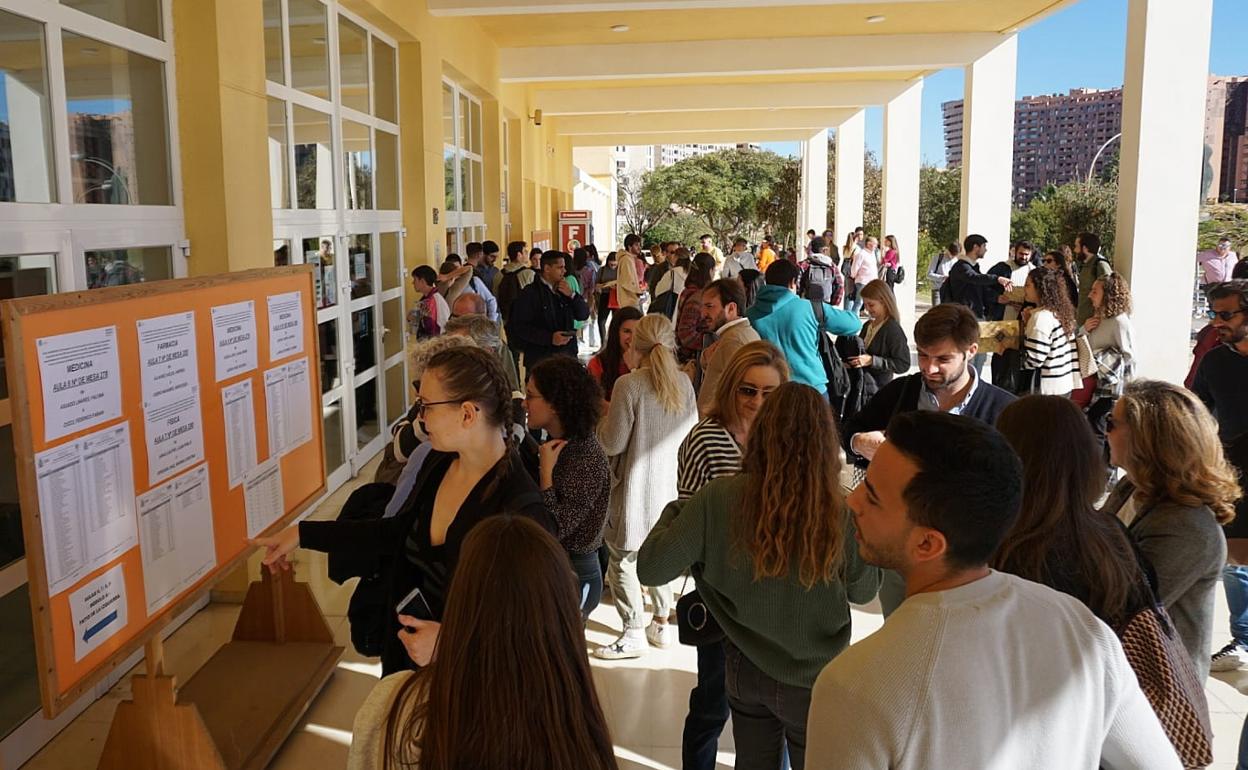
x,y
1228,658
629,645
660,635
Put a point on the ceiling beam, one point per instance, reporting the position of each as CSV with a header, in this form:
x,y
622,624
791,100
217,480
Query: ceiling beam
x,y
695,98
725,120
524,7
700,137
798,55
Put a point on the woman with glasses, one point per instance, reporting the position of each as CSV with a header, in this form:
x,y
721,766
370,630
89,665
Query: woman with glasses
x,y
778,564
652,410
713,450
1178,491
565,401
472,472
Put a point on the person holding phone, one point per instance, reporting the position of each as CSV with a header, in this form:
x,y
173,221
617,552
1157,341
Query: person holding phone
x,y
472,473
543,318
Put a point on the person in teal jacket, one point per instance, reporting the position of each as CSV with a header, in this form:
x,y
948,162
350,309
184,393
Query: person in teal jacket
x,y
788,321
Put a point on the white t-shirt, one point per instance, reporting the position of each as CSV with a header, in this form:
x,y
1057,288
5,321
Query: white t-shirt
x,y
998,674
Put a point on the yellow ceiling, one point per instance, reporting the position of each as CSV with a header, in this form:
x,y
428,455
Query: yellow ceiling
x,y
901,18
804,77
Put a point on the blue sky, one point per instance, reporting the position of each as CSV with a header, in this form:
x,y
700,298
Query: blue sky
x,y
1081,46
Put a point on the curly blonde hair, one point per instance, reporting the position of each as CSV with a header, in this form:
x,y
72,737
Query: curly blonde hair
x,y
1175,454
1117,296
793,508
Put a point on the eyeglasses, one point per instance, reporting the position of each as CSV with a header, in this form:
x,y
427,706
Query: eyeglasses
x,y
749,391
1224,315
421,405
1048,261
1110,425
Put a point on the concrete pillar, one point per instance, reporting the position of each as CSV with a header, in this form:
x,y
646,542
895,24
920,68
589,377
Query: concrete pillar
x,y
1159,173
420,114
988,147
901,189
492,141
851,139
812,209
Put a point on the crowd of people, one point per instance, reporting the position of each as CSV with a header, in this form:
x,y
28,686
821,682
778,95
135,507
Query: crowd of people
x,y
749,452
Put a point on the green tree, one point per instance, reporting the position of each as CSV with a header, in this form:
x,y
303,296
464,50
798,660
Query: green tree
x,y
681,227
940,203
641,213
1224,220
872,194
726,188
777,211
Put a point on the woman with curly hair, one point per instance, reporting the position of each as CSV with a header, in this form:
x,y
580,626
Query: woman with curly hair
x,y
1178,491
565,401
778,564
1110,334
1061,262
1049,335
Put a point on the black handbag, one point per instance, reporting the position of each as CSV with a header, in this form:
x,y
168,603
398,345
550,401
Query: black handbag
x,y
695,625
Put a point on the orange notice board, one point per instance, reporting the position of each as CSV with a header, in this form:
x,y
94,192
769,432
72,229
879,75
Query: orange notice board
x,y
156,427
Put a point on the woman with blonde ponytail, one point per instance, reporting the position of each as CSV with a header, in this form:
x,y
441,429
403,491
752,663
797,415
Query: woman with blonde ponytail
x,y
653,408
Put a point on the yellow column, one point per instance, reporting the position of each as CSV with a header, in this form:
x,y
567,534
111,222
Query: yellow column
x,y
223,134
420,114
492,157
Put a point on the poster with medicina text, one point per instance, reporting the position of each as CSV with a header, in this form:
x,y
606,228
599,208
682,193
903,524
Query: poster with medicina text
x,y
123,449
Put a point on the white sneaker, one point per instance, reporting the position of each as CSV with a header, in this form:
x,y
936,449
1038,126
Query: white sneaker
x,y
629,645
660,634
1228,658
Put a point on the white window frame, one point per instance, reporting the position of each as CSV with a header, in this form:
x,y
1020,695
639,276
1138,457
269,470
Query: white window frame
x,y
459,222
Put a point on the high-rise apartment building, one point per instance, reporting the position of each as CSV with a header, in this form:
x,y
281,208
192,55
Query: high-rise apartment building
x,y
1057,137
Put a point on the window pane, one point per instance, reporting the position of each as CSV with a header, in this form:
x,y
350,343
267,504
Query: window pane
x,y
367,418
118,138
329,356
465,184
392,328
396,393
24,275
279,181
363,340
314,175
353,64
320,252
309,49
360,261
357,149
474,137
448,174
387,171
391,262
478,194
121,267
139,15
448,115
273,69
281,254
385,87
334,454
25,121
462,136
19,670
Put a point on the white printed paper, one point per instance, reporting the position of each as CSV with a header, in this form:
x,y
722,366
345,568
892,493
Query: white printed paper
x,y
234,338
175,436
81,377
170,366
262,494
98,611
285,325
288,406
176,537
240,431
86,504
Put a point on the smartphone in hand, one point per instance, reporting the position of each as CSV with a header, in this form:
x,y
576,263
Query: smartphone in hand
x,y
414,605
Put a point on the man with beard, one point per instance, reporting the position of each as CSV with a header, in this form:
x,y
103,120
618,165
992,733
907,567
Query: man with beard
x,y
1220,381
947,339
977,668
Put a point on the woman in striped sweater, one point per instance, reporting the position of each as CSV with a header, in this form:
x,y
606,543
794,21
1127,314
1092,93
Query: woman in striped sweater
x,y
711,450
1049,335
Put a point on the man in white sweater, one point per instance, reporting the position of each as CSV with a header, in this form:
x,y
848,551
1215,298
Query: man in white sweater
x,y
977,668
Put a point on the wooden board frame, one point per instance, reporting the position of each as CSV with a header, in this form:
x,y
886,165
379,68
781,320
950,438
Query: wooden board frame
x,y
13,313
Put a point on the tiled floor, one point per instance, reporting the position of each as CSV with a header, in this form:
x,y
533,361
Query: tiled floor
x,y
644,699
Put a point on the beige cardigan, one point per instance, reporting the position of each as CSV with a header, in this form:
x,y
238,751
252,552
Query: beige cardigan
x,y
369,730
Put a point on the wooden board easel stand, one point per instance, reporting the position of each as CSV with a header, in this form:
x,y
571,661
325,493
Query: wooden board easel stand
x,y
236,711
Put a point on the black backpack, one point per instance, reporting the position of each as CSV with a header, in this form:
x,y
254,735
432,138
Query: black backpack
x,y
665,303
833,366
752,280
821,282
508,289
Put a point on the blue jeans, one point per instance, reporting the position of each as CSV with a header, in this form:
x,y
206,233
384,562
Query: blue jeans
x,y
855,305
708,711
767,716
1235,583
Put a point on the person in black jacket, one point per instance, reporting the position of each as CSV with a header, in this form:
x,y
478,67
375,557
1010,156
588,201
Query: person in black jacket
x,y
888,349
966,285
947,338
545,312
471,473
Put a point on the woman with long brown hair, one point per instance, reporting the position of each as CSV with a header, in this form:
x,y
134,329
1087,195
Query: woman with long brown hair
x,y
487,701
1060,539
778,567
1178,491
1049,335
472,472
610,365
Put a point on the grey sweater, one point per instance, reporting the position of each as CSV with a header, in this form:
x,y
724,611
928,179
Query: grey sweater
x,y
1187,551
